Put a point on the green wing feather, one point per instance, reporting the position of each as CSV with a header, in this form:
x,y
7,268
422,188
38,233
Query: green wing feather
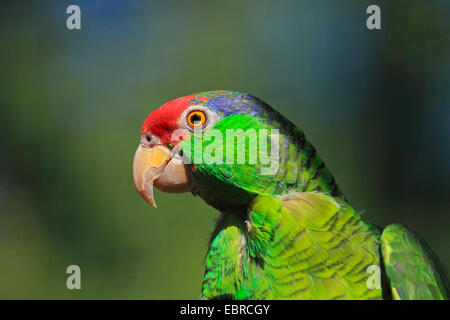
x,y
412,267
302,246
299,167
223,262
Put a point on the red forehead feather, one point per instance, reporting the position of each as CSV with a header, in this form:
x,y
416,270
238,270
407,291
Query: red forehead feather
x,y
164,120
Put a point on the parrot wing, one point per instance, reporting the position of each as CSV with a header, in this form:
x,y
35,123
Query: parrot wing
x,y
313,246
412,267
304,245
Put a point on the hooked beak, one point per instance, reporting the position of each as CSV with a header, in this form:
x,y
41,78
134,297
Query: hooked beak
x,y
157,166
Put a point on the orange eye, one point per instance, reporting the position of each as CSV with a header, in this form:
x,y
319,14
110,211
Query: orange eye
x,y
196,118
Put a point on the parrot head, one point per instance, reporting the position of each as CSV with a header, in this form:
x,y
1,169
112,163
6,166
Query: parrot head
x,y
246,148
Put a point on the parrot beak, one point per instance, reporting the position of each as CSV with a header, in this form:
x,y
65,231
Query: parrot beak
x,y
157,166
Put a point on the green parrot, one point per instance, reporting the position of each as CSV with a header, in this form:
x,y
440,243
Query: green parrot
x,y
286,231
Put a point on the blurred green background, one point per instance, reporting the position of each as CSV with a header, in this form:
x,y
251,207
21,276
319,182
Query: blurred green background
x,y
374,103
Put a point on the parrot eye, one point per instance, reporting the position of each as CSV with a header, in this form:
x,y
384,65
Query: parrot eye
x,y
196,118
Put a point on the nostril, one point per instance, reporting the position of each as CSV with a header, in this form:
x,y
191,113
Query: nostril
x,y
149,140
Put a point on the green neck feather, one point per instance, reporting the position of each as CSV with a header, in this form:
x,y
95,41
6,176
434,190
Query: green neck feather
x,y
227,185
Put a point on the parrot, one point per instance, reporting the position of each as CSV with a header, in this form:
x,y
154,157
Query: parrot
x,y
285,230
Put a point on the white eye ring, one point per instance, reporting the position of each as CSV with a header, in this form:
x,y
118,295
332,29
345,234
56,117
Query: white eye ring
x,y
211,118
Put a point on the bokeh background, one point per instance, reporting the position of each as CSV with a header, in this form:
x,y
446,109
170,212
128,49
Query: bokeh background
x,y
376,104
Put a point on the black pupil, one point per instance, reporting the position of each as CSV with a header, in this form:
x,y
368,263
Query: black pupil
x,y
196,118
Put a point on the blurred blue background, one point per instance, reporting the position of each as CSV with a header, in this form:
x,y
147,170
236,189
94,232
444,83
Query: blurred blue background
x,y
374,103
